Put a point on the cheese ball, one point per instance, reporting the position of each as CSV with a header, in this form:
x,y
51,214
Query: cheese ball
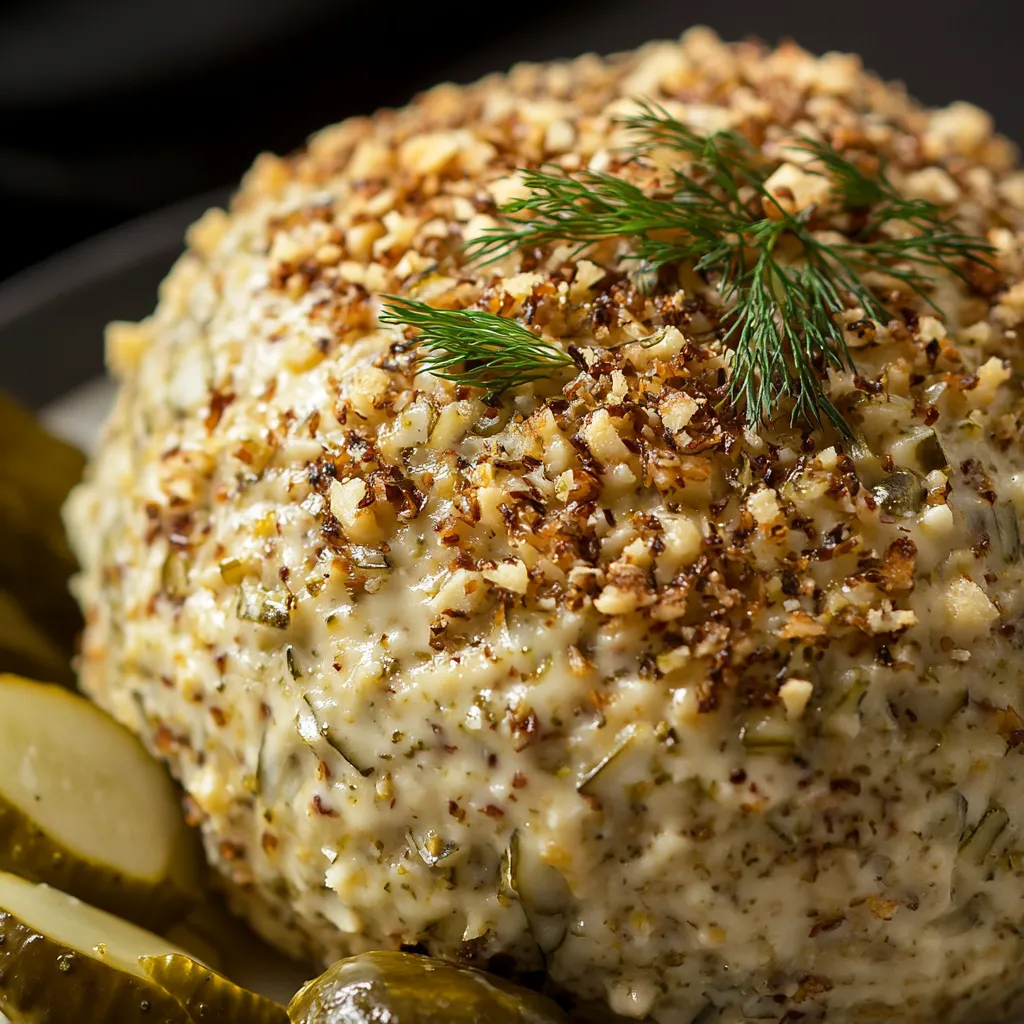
x,y
709,721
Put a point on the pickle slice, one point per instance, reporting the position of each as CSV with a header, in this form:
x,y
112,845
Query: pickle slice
x,y
26,649
402,988
208,996
64,962
83,807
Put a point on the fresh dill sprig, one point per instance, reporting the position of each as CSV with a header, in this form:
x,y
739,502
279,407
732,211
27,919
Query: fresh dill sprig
x,y
473,347
715,213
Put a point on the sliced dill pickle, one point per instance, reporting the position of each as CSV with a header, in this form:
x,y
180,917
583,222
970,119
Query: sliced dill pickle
x,y
64,962
209,996
26,649
36,473
84,807
402,988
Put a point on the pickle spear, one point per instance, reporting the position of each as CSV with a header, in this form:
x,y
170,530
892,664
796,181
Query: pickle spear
x,y
208,996
402,988
36,473
64,962
83,807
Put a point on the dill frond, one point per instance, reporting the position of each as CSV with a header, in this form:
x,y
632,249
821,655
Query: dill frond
x,y
473,347
716,214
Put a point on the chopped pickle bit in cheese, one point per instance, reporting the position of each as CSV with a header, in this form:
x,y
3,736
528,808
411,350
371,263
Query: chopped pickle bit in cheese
x,y
710,721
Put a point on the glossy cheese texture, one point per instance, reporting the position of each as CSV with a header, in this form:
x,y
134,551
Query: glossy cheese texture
x,y
710,723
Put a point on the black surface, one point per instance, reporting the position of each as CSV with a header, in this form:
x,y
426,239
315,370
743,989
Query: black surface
x,y
109,108
52,315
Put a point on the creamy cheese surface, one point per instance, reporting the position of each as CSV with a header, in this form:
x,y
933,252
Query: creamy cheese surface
x,y
711,724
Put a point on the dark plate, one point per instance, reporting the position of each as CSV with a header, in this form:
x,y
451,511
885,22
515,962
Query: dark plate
x,y
52,315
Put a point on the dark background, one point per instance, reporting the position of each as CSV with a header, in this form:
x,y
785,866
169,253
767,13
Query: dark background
x,y
111,109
